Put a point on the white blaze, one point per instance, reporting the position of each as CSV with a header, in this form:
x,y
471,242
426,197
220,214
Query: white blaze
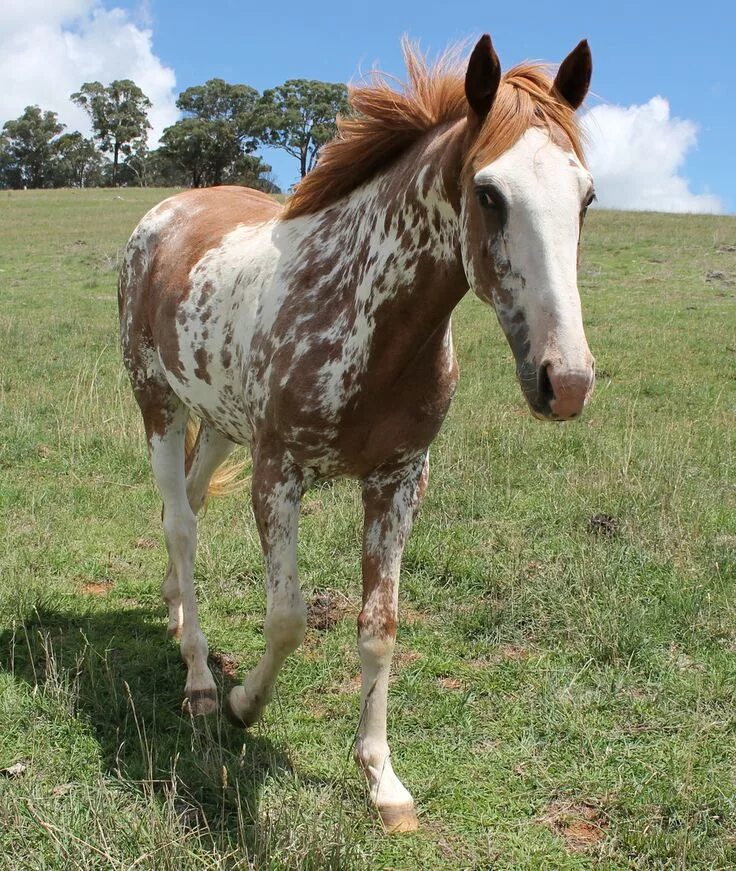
x,y
545,189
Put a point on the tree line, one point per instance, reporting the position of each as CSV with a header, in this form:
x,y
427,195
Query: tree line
x,y
213,143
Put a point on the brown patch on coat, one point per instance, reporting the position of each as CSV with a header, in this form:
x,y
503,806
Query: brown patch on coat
x,y
402,393
201,358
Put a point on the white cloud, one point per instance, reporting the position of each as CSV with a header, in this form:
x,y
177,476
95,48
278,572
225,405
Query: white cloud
x,y
636,155
48,48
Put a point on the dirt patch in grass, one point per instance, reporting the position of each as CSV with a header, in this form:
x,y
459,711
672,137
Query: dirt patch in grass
x,y
450,683
504,653
97,588
402,658
715,276
225,663
410,617
312,506
603,524
349,685
326,609
146,543
510,653
581,826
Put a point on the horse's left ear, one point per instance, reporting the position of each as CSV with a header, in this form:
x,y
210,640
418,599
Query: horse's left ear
x,y
482,78
573,77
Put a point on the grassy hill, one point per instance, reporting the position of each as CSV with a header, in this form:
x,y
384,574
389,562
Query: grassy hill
x,y
565,679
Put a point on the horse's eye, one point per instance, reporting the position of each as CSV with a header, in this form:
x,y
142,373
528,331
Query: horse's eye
x,y
591,199
485,199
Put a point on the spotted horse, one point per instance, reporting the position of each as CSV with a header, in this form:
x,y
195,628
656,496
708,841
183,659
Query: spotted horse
x,y
319,334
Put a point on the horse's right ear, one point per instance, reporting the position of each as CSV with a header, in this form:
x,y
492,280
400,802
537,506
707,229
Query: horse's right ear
x,y
482,78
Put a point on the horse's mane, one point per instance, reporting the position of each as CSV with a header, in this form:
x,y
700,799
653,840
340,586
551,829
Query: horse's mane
x,y
385,122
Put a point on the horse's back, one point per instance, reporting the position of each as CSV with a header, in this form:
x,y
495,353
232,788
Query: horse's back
x,y
179,290
179,231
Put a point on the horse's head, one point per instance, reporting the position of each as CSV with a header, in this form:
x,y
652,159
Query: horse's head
x,y
525,193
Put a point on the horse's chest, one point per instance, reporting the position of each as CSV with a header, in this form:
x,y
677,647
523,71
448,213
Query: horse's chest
x,y
340,416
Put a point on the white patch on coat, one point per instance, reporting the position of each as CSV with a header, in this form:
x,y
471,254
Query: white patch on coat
x,y
231,287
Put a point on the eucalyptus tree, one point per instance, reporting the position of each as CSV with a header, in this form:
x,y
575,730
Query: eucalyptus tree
x,y
27,149
300,117
119,116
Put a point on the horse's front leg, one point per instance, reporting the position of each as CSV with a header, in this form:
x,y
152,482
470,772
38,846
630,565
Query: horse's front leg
x,y
390,500
277,491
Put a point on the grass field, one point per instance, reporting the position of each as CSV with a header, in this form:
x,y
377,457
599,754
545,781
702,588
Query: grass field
x,y
565,680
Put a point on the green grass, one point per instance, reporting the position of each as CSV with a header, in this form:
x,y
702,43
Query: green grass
x,y
562,699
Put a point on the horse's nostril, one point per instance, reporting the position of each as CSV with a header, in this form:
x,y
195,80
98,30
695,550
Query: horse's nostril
x,y
546,393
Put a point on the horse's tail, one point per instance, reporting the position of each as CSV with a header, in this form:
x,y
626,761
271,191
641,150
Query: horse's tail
x,y
227,479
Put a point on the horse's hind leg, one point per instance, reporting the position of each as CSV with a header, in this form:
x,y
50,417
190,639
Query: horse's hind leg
x,y
210,451
166,421
277,489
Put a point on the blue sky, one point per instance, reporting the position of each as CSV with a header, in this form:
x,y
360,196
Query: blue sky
x,y
676,153
685,53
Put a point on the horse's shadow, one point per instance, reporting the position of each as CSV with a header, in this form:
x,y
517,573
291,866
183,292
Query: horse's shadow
x,y
120,676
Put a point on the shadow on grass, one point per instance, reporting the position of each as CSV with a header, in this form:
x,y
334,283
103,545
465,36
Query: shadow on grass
x,y
116,670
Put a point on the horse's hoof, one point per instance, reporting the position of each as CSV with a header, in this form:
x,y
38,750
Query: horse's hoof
x,y
398,818
239,711
201,702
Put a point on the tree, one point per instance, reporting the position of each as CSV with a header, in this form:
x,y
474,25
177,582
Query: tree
x,y
78,163
217,100
211,144
134,169
300,116
7,164
28,148
250,171
160,171
202,148
119,115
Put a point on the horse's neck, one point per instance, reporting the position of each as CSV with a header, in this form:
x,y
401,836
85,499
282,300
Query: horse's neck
x,y
386,261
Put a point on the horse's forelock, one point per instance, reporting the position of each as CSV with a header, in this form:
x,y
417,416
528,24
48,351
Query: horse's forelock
x,y
525,99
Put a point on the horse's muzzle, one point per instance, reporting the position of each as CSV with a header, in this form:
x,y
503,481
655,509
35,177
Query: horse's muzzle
x,y
557,392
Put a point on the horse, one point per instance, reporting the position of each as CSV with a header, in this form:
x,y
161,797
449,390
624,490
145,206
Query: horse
x,y
319,335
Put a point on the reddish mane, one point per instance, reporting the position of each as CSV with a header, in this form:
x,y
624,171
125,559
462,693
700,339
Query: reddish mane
x,y
388,121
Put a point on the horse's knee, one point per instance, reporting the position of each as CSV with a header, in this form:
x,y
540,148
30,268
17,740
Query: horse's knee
x,y
286,626
180,530
377,632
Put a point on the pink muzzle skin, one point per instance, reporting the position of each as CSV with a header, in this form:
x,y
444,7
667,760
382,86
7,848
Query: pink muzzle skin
x,y
570,389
